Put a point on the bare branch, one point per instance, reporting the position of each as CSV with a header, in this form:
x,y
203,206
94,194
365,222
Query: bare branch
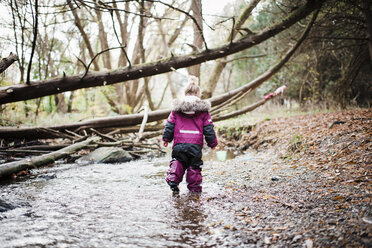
x,y
143,124
95,56
6,62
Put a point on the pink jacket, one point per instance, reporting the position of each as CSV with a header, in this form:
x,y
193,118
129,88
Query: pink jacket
x,y
189,122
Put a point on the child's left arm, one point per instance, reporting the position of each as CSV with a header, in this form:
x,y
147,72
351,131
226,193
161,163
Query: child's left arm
x,y
209,133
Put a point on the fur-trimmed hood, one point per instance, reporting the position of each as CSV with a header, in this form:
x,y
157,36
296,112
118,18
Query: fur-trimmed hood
x,y
190,105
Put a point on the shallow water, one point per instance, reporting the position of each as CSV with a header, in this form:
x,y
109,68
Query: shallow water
x,y
110,205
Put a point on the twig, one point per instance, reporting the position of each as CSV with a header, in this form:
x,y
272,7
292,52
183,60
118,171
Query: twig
x,y
103,135
81,61
117,143
82,138
57,133
95,56
336,123
72,133
144,121
149,135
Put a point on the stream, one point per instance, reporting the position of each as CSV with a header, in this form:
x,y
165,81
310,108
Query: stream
x,y
110,205
250,200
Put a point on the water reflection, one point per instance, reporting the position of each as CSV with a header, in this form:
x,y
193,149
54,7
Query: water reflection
x,y
189,218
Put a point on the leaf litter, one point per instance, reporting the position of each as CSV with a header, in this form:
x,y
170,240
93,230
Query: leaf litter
x,y
302,181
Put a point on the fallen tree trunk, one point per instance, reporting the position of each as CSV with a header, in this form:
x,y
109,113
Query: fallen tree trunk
x,y
106,122
68,83
8,169
37,133
6,62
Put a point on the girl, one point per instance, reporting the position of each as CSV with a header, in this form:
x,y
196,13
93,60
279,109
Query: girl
x,y
188,122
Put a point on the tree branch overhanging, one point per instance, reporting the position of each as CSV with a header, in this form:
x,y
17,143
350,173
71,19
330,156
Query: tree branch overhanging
x,y
69,83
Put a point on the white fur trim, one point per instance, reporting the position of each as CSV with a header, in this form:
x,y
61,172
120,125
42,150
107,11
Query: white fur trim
x,y
191,104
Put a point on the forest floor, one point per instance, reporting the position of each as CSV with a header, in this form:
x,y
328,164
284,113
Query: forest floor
x,y
302,181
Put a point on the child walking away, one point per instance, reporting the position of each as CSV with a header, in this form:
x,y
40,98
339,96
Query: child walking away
x,y
187,125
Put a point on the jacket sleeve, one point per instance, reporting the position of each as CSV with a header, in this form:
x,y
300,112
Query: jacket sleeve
x,y
209,133
169,128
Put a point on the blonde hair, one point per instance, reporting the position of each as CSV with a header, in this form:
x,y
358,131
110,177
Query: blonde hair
x,y
192,88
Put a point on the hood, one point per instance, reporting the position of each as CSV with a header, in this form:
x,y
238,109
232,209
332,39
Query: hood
x,y
190,105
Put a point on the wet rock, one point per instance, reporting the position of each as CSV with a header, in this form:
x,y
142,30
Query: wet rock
x,y
6,206
106,155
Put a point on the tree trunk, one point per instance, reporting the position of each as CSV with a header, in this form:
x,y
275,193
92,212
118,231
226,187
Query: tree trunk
x,y
167,53
210,85
58,85
6,62
103,39
196,7
85,36
368,14
348,76
8,169
60,102
121,88
123,32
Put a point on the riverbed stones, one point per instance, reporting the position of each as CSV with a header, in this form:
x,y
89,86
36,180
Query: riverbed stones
x,y
109,155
